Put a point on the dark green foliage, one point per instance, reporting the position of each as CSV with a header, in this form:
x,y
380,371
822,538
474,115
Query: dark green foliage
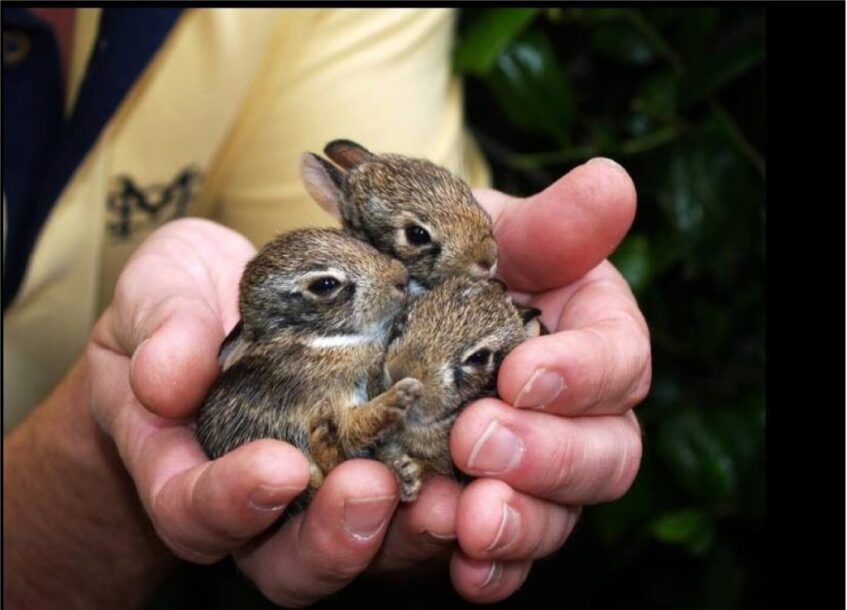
x,y
677,96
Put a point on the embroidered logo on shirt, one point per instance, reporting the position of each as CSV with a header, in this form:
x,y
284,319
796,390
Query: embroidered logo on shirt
x,y
155,204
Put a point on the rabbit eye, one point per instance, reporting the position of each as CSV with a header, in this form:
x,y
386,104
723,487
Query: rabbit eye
x,y
479,357
417,235
324,286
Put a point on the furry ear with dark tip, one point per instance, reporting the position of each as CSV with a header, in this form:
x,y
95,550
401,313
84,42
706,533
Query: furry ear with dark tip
x,y
322,181
531,322
347,153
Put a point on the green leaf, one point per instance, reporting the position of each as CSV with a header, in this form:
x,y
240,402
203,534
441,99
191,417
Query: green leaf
x,y
718,70
613,520
742,430
620,41
533,89
710,200
489,35
603,15
700,460
632,259
662,17
658,95
694,34
697,182
637,125
693,528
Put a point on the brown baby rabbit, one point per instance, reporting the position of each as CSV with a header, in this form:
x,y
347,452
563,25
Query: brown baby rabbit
x,y
452,339
317,307
410,209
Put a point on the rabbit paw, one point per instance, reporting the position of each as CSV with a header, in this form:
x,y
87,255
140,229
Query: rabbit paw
x,y
408,473
407,392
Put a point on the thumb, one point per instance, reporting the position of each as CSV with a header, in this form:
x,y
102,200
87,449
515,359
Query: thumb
x,y
555,237
172,370
172,306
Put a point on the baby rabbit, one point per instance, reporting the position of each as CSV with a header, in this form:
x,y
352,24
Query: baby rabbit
x,y
453,340
410,209
317,307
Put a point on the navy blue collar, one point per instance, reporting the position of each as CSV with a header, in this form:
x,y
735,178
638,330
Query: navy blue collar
x,y
42,150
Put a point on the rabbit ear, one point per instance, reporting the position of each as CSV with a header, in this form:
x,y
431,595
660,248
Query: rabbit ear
x,y
531,323
233,346
347,154
323,182
499,283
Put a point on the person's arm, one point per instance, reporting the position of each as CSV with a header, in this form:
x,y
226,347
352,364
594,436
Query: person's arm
x,y
75,535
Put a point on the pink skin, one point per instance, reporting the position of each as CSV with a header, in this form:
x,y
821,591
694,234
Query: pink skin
x,y
153,354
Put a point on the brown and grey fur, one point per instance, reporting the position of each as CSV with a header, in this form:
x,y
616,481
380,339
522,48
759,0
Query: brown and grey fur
x,y
378,197
439,334
304,365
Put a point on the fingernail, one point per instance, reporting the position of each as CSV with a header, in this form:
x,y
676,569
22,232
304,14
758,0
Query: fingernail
x,y
486,574
607,161
510,526
266,498
498,450
366,517
542,388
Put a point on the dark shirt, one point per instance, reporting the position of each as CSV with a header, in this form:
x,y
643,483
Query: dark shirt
x,y
41,148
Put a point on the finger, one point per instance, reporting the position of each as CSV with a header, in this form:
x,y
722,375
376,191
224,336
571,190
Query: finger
x,y
215,507
483,581
600,361
571,460
201,509
423,530
553,238
174,368
498,523
319,552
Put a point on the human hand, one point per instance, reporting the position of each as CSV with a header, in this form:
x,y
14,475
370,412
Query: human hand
x,y
153,357
151,361
573,438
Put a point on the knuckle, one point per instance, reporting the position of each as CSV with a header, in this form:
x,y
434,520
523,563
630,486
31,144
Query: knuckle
x,y
629,464
638,390
340,571
635,367
606,373
331,566
559,469
186,552
562,528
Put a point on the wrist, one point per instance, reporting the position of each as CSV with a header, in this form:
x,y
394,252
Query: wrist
x,y
75,528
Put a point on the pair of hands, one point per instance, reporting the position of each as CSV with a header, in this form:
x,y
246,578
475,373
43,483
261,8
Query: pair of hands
x,y
563,436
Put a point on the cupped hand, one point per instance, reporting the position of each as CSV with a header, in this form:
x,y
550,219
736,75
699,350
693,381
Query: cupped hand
x,y
152,358
564,434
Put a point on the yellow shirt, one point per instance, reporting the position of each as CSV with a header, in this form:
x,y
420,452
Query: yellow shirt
x,y
234,97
